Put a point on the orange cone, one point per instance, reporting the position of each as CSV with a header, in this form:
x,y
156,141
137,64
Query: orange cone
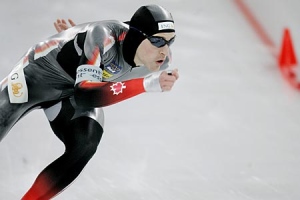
x,y
287,57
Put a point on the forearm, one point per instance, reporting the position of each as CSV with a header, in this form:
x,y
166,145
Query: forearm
x,y
90,91
100,94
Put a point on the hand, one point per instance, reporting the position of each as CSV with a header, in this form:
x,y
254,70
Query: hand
x,y
167,79
61,25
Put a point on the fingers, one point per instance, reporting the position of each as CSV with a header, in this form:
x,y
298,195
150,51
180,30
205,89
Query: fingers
x,y
175,73
167,80
61,25
167,86
63,22
71,22
57,27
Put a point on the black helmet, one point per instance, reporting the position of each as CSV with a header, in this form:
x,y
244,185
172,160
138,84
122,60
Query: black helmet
x,y
149,19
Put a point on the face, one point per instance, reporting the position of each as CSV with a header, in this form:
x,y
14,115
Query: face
x,y
151,56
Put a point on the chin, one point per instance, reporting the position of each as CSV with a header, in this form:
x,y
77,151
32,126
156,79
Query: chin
x,y
155,69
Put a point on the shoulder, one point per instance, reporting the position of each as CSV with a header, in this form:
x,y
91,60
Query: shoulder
x,y
105,33
107,26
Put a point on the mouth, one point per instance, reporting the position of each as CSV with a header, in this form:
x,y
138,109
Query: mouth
x,y
160,62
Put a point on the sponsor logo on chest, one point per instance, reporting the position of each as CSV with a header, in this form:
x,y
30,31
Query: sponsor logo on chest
x,y
113,68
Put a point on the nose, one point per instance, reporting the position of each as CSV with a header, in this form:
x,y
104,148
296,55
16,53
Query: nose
x,y
164,50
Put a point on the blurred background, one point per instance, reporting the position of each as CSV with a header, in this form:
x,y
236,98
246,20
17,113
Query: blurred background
x,y
229,129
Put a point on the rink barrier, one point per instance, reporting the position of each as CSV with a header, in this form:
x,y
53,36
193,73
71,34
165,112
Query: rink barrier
x,y
286,58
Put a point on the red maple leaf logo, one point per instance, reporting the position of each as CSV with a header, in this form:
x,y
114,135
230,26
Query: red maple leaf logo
x,y
117,88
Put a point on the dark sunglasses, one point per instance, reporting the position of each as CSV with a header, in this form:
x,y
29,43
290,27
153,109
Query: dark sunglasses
x,y
160,41
157,41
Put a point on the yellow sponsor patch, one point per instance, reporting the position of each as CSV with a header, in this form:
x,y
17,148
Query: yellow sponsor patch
x,y
106,74
17,87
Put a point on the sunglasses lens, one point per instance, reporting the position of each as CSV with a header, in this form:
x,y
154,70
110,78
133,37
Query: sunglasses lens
x,y
171,41
157,41
160,41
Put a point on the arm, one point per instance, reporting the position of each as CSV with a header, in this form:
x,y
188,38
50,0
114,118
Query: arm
x,y
99,94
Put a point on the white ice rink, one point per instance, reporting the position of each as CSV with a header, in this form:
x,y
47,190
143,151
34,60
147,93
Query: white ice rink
x,y
230,129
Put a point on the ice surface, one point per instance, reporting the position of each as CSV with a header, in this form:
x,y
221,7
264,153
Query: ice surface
x,y
229,130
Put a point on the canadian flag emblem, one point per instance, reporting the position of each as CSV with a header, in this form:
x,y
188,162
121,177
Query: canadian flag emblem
x,y
117,88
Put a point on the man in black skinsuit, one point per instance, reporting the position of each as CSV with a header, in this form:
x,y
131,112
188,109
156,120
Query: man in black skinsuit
x,y
74,73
